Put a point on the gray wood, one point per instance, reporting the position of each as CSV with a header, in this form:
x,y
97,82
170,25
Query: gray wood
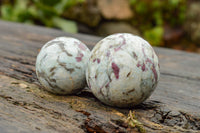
x,y
25,107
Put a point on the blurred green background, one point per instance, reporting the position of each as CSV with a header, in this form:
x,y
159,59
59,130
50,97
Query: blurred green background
x,y
166,23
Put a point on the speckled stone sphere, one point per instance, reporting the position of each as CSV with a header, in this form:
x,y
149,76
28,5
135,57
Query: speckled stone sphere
x,y
61,64
123,70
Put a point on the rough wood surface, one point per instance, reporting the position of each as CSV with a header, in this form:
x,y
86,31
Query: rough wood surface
x,y
25,107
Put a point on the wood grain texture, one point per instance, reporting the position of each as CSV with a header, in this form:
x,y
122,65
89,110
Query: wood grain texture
x,y
173,107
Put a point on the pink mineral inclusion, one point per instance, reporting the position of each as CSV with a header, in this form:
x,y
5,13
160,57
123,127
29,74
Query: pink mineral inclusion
x,y
98,60
118,48
115,70
82,47
108,54
107,85
138,64
155,72
143,67
148,60
123,43
143,51
124,40
79,57
89,85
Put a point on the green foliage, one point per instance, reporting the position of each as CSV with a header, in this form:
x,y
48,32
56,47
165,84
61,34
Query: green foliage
x,y
46,12
152,15
154,35
17,12
64,25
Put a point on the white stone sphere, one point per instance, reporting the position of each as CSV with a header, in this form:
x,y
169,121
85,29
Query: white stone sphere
x,y
61,64
123,70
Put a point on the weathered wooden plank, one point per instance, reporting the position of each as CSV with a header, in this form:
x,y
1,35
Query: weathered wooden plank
x,y
24,108
174,103
178,63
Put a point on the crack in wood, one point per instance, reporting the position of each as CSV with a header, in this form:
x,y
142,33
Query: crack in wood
x,y
179,76
20,60
179,118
